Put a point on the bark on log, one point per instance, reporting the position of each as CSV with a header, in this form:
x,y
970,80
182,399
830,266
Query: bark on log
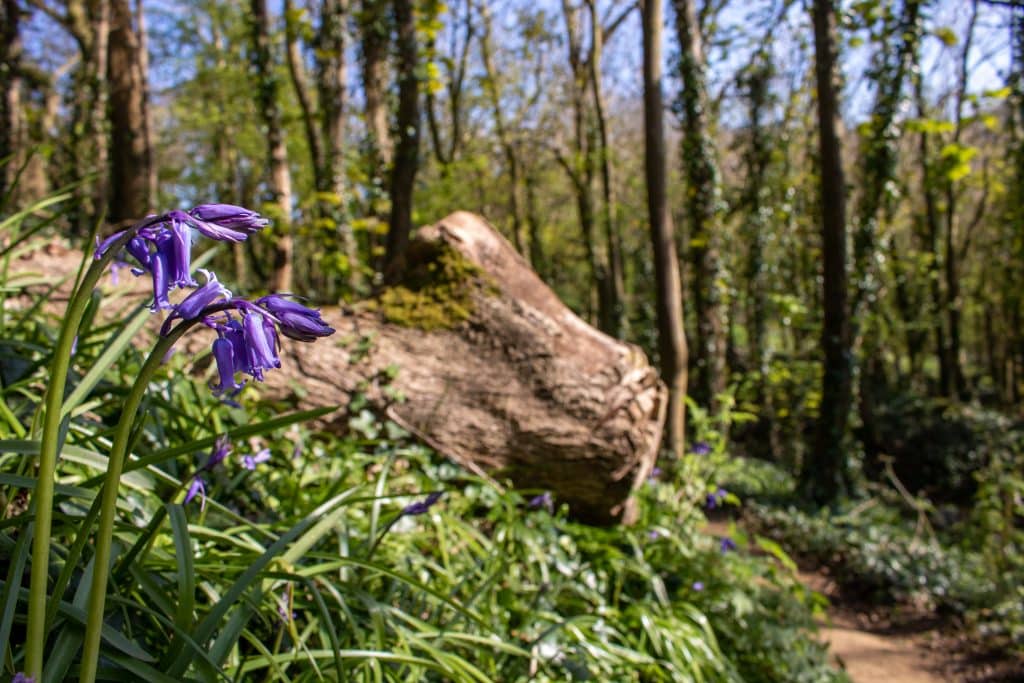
x,y
523,387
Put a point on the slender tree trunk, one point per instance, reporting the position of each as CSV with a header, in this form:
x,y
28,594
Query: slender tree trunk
x,y
508,147
277,153
147,109
671,340
332,81
11,118
953,303
702,197
403,172
131,167
758,158
615,294
824,476
533,221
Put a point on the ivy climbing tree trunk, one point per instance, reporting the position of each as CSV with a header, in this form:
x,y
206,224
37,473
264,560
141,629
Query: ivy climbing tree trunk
x,y
824,475
702,198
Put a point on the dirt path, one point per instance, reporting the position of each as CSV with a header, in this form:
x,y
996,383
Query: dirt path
x,y
870,655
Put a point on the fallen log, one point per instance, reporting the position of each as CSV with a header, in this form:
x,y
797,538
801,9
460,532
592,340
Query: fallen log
x,y
474,354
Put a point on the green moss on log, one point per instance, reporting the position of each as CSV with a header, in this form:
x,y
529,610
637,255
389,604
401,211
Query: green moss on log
x,y
437,292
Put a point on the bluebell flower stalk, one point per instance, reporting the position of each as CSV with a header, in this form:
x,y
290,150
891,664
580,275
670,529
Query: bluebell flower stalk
x,y
169,262
42,499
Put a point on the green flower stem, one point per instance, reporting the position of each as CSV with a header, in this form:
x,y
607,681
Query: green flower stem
x,y
35,637
108,509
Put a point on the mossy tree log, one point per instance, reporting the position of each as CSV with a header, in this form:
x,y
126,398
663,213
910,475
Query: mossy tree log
x,y
495,372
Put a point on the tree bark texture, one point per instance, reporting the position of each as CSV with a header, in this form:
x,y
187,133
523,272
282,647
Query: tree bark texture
x,y
824,475
131,159
407,151
277,153
702,192
671,340
11,125
523,388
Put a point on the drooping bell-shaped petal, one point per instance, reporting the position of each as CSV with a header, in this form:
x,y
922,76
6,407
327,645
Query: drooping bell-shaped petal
x,y
197,488
259,345
295,320
179,246
159,267
195,304
104,246
139,248
231,217
223,353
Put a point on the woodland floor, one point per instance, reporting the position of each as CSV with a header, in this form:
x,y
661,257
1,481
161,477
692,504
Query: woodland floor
x,y
896,645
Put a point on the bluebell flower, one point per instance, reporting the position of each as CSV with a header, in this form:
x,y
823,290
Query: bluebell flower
x,y
221,450
197,488
713,500
701,448
227,217
23,678
726,544
544,500
653,535
421,506
295,320
249,462
260,345
698,586
196,303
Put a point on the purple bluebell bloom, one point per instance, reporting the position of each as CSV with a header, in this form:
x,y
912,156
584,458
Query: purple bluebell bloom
x,y
197,488
221,450
701,448
715,499
259,345
653,535
236,219
544,500
223,352
295,320
726,544
23,678
421,506
195,303
249,462
698,586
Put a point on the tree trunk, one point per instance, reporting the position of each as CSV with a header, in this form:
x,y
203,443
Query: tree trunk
x,y
11,119
407,151
671,340
277,153
824,476
702,197
374,28
504,138
614,309
131,167
332,81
